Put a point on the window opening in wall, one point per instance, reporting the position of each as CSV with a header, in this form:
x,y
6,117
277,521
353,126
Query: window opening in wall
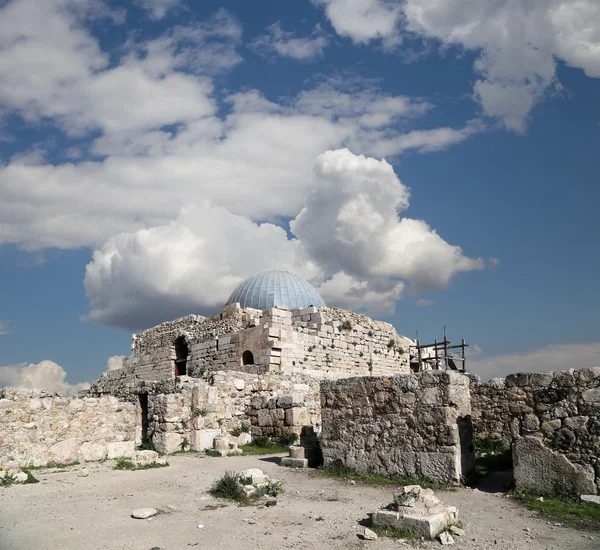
x,y
181,355
143,397
247,358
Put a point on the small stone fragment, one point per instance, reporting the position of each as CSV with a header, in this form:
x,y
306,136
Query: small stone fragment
x,y
445,539
144,513
592,499
20,477
369,535
83,472
457,531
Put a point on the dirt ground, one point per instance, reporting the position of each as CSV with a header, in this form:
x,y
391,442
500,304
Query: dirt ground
x,y
94,512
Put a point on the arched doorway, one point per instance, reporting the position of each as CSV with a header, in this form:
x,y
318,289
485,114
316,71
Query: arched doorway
x,y
181,355
247,358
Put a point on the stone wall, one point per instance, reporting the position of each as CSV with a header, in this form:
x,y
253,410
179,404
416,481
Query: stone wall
x,y
39,427
319,343
412,425
202,409
559,409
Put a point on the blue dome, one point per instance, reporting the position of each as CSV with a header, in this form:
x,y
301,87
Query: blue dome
x,y
276,288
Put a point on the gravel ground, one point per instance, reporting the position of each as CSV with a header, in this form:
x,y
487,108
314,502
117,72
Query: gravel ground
x,y
69,511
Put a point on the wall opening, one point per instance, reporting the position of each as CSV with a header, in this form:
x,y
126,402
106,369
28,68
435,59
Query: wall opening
x,y
181,355
247,358
143,397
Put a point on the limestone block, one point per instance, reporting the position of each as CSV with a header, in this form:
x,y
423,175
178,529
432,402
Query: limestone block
x,y
64,451
441,467
143,458
591,396
297,416
121,448
539,469
255,475
200,440
270,417
239,384
167,442
91,452
244,439
294,462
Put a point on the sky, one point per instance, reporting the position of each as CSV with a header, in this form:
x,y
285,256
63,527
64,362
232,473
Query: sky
x,y
427,162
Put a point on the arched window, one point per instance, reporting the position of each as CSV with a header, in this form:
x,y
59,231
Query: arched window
x,y
247,358
181,355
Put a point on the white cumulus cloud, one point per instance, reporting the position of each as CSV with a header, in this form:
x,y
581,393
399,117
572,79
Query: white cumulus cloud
x,y
519,41
45,375
347,240
115,362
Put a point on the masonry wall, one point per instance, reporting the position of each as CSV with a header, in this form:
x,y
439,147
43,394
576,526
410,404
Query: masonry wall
x,y
202,409
412,425
559,409
39,427
319,343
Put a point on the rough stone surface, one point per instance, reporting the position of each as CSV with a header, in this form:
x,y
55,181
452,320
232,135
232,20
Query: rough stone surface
x,y
144,513
592,499
121,448
419,511
539,469
38,427
561,409
367,534
412,425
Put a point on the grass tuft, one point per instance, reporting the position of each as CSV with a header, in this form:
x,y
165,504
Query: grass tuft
x,y
571,512
124,463
382,479
54,465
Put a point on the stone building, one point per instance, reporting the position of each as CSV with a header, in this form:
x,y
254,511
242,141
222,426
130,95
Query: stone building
x,y
261,358
276,359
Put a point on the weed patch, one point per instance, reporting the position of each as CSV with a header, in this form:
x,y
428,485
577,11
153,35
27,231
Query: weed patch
x,y
571,512
212,452
54,465
381,479
124,463
243,428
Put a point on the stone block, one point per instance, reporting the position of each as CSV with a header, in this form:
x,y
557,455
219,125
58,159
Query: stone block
x,y
427,526
294,462
64,451
441,467
167,442
91,452
539,469
143,458
297,416
200,440
120,448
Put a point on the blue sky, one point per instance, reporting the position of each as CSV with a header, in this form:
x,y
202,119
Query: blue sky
x,y
155,153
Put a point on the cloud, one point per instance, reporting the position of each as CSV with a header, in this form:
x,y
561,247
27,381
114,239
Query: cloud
x,y
347,240
146,130
423,302
550,358
350,223
518,41
158,8
115,362
4,327
364,20
45,375
276,41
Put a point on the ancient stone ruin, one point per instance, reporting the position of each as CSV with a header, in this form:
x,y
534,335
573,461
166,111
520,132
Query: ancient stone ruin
x,y
276,360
